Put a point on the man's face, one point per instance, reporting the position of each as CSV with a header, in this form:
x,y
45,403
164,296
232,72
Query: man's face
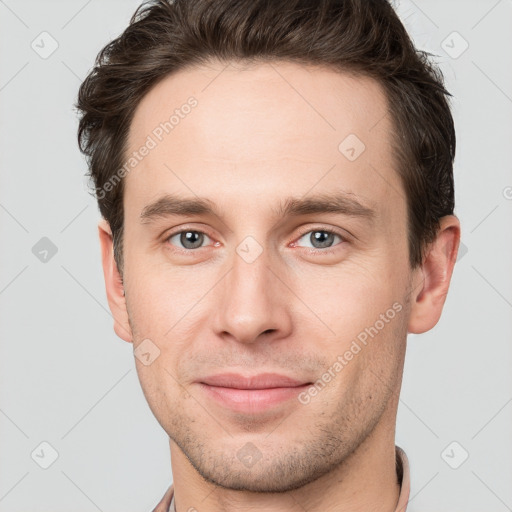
x,y
255,288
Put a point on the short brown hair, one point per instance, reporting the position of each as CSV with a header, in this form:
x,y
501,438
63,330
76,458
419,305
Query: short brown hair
x,y
365,37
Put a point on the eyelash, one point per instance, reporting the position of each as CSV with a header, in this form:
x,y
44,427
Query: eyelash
x,y
326,250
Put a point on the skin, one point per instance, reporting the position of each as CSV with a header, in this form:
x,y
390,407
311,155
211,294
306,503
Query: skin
x,y
251,142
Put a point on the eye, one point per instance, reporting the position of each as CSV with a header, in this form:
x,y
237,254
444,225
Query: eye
x,y
320,238
188,238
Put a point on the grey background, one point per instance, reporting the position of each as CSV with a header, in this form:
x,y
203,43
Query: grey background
x,y
67,380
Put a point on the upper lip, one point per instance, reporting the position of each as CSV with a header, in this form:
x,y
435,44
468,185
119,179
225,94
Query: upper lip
x,y
261,381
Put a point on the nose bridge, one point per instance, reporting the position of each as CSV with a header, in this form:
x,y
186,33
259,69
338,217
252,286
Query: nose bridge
x,y
253,299
251,273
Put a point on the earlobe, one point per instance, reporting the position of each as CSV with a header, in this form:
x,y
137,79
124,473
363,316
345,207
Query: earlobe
x,y
429,292
113,283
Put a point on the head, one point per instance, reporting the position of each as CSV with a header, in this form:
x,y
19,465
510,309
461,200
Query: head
x,y
276,186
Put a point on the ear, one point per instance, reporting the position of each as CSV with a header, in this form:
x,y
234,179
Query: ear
x,y
432,279
113,283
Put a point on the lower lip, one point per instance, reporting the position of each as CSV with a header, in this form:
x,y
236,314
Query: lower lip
x,y
252,400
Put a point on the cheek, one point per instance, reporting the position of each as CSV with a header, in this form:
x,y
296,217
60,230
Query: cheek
x,y
366,361
160,299
349,298
365,318
161,390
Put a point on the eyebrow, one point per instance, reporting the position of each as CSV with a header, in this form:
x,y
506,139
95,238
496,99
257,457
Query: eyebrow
x,y
341,203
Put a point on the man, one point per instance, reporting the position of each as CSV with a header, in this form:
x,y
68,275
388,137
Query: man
x,y
275,181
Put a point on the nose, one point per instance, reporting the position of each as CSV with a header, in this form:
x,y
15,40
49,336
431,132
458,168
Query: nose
x,y
253,301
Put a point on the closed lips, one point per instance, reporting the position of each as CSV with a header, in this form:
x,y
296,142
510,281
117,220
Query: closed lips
x,y
261,381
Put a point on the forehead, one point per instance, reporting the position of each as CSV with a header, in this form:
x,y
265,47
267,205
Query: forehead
x,y
262,129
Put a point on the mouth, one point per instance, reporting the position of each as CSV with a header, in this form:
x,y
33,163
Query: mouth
x,y
253,394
